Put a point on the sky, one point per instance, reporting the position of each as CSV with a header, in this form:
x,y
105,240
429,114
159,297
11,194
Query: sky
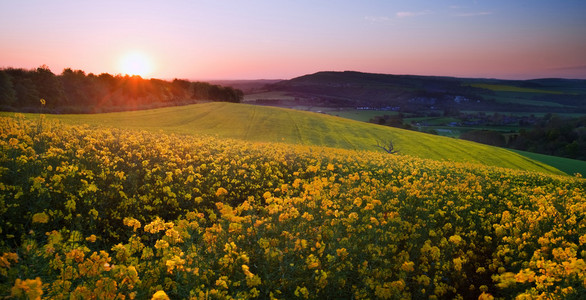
x,y
278,39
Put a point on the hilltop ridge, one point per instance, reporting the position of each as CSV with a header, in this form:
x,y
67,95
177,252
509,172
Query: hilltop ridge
x,y
409,93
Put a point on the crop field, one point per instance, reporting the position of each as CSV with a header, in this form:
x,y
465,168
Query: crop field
x,y
101,213
269,124
511,88
510,97
359,115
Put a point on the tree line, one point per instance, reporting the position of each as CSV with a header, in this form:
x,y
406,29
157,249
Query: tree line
x,y
74,91
553,135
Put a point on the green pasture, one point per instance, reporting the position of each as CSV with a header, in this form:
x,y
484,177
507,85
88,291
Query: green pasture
x,y
511,88
269,124
507,97
527,113
567,165
359,115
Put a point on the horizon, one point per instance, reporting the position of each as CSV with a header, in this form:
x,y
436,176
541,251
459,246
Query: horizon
x,y
264,40
211,80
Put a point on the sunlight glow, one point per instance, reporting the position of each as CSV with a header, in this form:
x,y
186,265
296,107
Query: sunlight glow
x,y
135,63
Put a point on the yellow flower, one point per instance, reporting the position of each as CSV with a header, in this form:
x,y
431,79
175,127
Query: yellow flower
x,y
342,253
40,218
221,192
132,222
160,295
92,238
222,282
173,235
175,262
312,262
455,239
246,271
28,288
161,244
458,264
302,292
6,258
408,266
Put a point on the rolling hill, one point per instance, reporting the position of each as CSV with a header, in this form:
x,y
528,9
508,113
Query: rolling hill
x,y
415,93
267,124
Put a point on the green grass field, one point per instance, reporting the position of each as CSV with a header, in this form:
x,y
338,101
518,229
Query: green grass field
x,y
567,165
509,97
268,124
510,88
359,115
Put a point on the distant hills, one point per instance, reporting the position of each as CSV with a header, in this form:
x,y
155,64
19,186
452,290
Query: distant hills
x,y
409,93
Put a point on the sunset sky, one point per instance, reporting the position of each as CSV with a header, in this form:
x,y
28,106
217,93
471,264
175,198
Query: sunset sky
x,y
262,39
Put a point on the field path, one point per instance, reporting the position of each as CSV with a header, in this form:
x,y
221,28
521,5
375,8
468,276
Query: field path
x,y
297,131
251,123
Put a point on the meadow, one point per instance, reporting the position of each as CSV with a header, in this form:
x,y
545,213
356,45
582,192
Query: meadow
x,y
567,165
511,88
95,212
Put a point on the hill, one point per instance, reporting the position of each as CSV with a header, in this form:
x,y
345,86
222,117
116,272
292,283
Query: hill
x,y
268,124
409,93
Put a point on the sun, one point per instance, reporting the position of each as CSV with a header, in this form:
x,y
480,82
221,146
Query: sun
x,y
135,63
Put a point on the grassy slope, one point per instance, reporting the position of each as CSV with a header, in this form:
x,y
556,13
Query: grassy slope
x,y
268,124
570,166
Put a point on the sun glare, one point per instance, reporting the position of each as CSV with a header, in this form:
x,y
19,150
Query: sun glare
x,y
135,63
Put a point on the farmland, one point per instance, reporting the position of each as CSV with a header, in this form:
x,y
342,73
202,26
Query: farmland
x,y
104,212
511,88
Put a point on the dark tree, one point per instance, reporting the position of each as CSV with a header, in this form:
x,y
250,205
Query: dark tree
x,y
488,137
75,92
387,147
49,86
7,92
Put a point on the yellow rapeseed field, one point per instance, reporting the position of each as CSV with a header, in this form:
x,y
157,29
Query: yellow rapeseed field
x,y
97,213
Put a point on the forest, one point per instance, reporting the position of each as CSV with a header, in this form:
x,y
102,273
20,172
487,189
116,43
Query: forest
x,y
74,91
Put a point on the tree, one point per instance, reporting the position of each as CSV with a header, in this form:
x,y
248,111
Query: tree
x,y
74,91
49,86
487,137
7,93
387,147
24,87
